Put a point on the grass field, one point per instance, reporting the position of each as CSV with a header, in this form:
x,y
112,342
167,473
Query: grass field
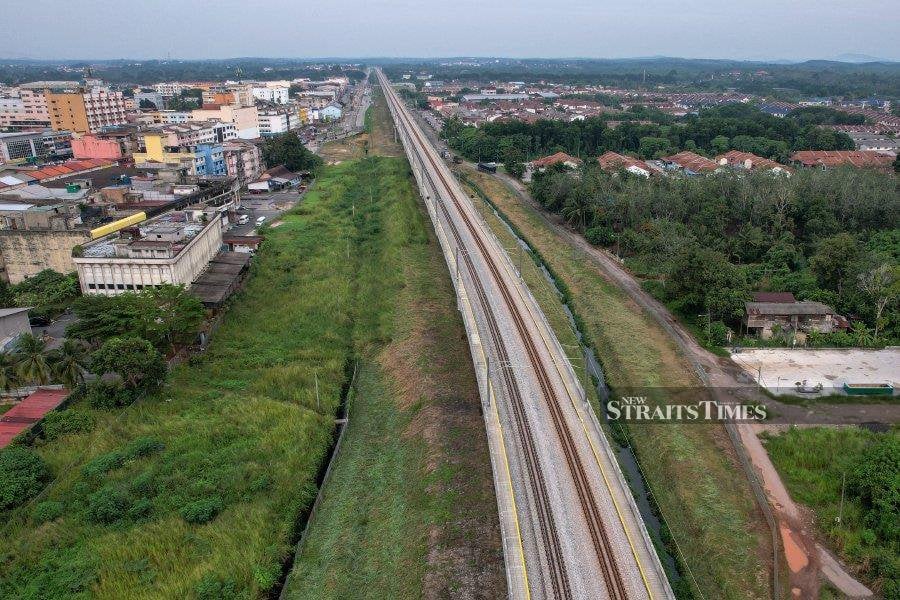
x,y
409,510
815,464
699,488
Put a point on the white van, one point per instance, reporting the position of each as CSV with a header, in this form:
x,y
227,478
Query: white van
x,y
260,221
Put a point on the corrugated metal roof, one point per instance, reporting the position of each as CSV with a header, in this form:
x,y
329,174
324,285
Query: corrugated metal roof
x,y
28,412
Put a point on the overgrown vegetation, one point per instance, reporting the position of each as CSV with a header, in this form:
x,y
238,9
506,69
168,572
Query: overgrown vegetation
x,y
287,149
223,456
705,243
47,293
850,478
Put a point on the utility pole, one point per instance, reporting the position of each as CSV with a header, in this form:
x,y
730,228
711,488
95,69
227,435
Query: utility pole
x,y
840,518
316,375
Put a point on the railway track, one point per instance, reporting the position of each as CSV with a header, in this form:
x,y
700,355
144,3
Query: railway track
x,y
587,502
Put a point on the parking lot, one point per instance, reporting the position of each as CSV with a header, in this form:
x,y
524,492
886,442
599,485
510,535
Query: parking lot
x,y
269,206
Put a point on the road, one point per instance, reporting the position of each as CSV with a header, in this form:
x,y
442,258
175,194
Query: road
x,y
571,527
268,205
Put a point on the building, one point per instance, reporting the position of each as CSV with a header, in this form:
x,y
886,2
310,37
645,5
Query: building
x,y
765,318
86,112
26,109
562,158
828,159
273,122
690,163
611,161
154,98
244,118
34,146
90,146
243,160
170,249
13,323
273,179
332,112
877,143
276,94
751,162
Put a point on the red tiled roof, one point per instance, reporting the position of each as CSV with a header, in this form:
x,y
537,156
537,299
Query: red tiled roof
x,y
736,158
611,161
28,412
559,157
834,158
692,161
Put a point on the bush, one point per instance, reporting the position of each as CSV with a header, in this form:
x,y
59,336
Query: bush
x,y
108,394
600,236
718,333
46,511
59,423
202,511
23,474
108,505
211,587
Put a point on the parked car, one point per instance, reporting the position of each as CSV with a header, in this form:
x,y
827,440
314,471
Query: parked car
x,y
243,219
260,221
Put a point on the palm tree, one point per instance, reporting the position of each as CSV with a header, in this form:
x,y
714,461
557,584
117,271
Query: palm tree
x,y
31,352
68,363
9,375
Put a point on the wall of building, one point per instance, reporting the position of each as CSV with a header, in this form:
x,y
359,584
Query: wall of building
x,y
118,275
68,111
26,253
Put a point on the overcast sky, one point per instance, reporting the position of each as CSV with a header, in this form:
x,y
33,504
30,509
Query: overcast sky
x,y
758,29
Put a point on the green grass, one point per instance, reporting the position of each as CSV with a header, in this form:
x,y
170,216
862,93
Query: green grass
x,y
409,509
701,492
239,427
5,407
814,462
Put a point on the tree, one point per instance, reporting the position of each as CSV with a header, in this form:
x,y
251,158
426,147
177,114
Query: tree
x,y
882,285
287,149
147,104
835,261
69,362
720,144
31,355
135,360
703,279
175,318
9,371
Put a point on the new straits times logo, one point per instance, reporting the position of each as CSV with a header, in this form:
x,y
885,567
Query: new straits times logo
x,y
636,409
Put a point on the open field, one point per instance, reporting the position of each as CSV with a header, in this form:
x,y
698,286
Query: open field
x,y
816,463
702,495
409,510
782,367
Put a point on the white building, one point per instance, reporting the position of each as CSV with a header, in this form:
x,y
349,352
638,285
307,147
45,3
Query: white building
x,y
275,94
170,249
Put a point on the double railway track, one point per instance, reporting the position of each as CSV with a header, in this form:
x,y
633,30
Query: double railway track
x,y
587,502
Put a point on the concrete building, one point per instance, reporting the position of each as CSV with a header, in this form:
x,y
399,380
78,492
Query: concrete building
x,y
170,249
86,112
243,160
332,112
90,146
26,109
155,98
276,94
244,118
13,323
37,145
275,121
792,317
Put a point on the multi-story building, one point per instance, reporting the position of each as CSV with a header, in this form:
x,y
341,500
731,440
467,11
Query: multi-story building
x,y
29,146
276,121
243,160
86,111
194,146
154,98
24,109
171,249
275,94
244,118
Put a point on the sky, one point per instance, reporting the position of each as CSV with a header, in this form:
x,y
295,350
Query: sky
x,y
187,29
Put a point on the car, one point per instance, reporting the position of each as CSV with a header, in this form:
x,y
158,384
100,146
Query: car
x,y
260,220
243,219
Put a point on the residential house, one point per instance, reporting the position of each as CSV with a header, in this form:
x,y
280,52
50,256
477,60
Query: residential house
x,y
611,161
751,162
690,163
828,159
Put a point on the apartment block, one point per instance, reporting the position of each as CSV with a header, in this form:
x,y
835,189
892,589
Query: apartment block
x,y
86,112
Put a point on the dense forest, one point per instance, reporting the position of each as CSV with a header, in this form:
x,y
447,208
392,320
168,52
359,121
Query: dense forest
x,y
705,243
713,131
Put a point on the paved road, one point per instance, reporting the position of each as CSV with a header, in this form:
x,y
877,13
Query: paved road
x,y
572,521
264,205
